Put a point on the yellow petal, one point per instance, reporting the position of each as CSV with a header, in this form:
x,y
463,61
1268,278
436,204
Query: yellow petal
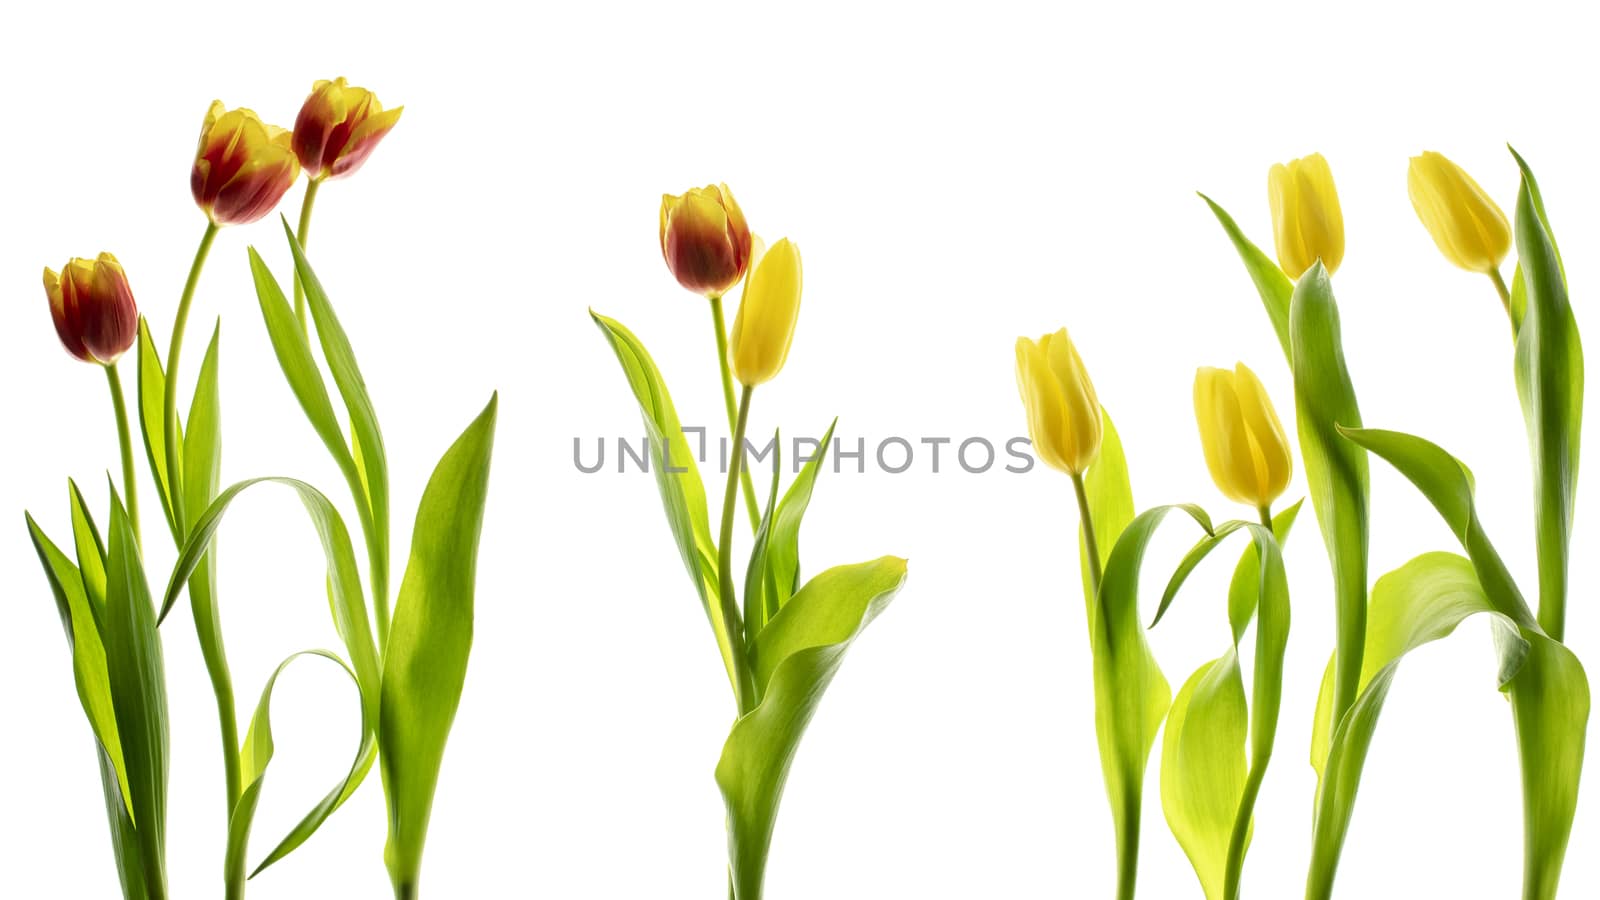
x,y
1042,402
1223,435
769,308
1275,462
1465,223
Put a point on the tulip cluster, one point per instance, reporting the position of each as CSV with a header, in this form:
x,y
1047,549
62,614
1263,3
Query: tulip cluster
x,y
409,675
780,639
1217,745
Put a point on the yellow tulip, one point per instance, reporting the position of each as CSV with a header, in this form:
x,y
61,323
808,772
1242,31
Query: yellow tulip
x,y
768,310
1469,228
1246,449
1063,411
1307,224
705,240
243,166
338,128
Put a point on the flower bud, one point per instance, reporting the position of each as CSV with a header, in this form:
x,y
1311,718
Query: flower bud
x,y
242,168
705,240
1464,221
768,310
1307,224
1063,411
1246,449
338,128
93,308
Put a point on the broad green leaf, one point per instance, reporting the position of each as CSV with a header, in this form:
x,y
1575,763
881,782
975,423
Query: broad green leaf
x,y
366,437
1274,287
758,584
1131,694
677,476
124,837
1336,470
152,399
795,658
257,754
1550,704
1110,503
1423,601
137,676
425,664
1208,785
1549,375
89,671
305,381
1519,287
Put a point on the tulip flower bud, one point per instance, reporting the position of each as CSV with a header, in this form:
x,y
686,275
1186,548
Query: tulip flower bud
x,y
93,308
705,240
242,168
768,311
1246,449
338,128
1464,221
1306,221
1063,411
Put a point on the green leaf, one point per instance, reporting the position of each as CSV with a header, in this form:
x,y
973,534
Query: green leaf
x,y
1110,504
89,671
677,475
1336,470
366,437
1549,375
795,658
1423,601
91,550
1274,287
758,584
778,545
137,676
1519,287
305,381
257,754
152,400
1208,788
1131,694
426,661
1550,704
348,604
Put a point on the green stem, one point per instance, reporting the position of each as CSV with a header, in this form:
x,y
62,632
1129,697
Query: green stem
x,y
130,487
1086,527
303,234
405,891
1128,848
1505,296
169,406
732,622
718,322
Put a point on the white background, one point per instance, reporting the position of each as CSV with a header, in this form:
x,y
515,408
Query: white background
x,y
954,179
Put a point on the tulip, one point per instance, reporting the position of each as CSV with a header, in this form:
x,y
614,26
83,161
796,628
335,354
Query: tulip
x,y
705,240
1063,411
1306,222
1246,449
768,310
338,128
93,308
242,168
1469,228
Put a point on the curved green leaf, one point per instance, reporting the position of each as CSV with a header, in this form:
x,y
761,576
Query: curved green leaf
x,y
1549,375
257,753
367,438
348,604
677,476
425,664
1274,287
1208,786
774,573
1131,694
795,658
1336,470
758,584
152,400
1110,503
